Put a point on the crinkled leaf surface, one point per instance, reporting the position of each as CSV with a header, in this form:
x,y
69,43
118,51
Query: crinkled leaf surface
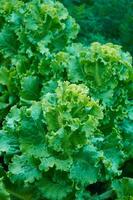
x,y
66,117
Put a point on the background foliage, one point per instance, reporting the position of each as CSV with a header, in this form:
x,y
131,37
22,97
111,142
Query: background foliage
x,y
104,21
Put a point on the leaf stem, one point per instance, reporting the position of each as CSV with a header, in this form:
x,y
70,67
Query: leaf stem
x,y
22,197
104,195
97,77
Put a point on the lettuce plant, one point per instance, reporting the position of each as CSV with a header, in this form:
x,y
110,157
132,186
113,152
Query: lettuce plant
x,y
66,115
30,32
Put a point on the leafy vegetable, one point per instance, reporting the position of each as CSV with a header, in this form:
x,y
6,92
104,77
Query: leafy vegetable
x,y
66,115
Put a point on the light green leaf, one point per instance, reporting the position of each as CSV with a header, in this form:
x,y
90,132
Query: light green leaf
x,y
54,190
23,169
123,188
8,143
84,173
30,88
